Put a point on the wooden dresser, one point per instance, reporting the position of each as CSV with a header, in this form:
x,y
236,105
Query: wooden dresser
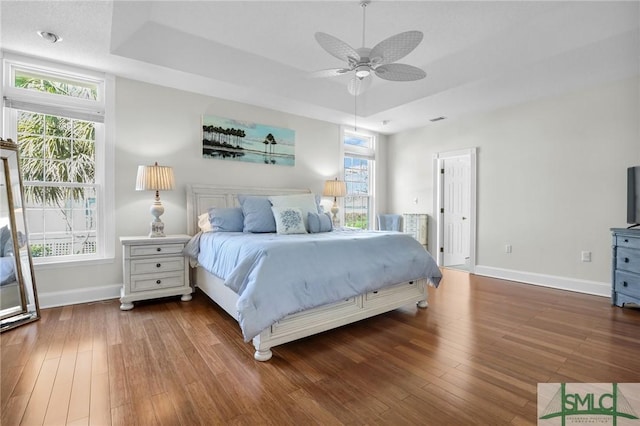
x,y
625,266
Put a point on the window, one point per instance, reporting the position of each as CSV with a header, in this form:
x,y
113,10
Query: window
x,y
56,116
359,161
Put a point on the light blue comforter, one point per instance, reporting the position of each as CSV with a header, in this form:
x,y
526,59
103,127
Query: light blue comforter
x,y
277,275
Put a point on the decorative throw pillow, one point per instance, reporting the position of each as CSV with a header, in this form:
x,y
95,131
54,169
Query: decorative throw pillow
x,y
288,220
258,216
226,219
305,202
319,222
204,223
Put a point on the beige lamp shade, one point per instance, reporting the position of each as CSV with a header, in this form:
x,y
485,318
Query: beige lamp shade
x,y
155,178
334,188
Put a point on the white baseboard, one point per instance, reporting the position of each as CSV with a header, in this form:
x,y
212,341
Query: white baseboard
x,y
83,295
94,294
562,283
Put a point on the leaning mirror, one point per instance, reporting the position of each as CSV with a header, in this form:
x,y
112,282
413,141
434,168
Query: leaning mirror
x,y
18,296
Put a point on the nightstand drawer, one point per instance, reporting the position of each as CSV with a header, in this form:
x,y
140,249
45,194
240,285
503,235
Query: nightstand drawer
x,y
148,282
155,250
628,259
627,283
628,242
159,264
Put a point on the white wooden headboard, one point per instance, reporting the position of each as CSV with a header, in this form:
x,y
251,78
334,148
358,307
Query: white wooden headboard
x,y
201,197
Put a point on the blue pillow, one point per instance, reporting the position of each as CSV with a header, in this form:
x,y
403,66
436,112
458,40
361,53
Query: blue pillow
x,y
226,219
258,216
319,222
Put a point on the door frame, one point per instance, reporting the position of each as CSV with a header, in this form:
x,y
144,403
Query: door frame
x,y
438,202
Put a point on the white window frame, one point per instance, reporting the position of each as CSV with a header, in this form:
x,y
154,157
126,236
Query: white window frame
x,y
368,153
101,110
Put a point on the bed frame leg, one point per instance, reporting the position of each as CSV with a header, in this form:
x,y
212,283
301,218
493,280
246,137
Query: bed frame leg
x,y
263,354
423,304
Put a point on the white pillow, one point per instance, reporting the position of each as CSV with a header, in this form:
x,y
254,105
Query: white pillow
x,y
305,202
288,220
203,223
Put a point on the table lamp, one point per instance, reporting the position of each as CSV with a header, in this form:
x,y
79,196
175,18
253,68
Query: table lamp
x,y
155,178
335,188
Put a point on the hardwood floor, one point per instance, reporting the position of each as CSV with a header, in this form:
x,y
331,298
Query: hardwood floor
x,y
474,356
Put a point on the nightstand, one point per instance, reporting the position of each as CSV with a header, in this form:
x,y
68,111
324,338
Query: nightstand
x,y
154,267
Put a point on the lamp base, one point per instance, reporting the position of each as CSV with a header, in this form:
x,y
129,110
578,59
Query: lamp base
x,y
157,229
334,211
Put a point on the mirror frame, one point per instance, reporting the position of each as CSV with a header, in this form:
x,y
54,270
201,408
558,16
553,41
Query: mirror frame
x,y
29,308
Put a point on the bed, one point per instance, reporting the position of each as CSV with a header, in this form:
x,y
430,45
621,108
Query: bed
x,y
337,301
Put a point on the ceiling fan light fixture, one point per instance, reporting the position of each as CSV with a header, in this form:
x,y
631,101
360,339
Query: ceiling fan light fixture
x,y
362,71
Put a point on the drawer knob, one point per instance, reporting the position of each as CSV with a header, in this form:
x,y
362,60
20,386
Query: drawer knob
x,y
624,284
158,281
158,265
626,240
159,249
626,260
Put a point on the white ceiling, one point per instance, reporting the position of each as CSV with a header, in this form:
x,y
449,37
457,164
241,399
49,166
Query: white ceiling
x,y
478,55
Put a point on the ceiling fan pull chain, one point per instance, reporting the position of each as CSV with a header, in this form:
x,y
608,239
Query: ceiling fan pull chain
x,y
355,112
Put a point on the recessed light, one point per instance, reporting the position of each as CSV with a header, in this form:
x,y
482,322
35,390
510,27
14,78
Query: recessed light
x,y
50,37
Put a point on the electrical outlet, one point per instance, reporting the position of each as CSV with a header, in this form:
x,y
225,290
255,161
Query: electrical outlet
x,y
586,256
507,248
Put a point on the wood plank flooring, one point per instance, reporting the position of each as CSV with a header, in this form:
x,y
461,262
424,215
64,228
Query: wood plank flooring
x,y
474,356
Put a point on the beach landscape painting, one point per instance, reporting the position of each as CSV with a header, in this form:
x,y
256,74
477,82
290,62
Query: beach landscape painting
x,y
235,140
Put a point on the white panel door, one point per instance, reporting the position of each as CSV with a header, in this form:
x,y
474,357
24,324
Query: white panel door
x,y
457,209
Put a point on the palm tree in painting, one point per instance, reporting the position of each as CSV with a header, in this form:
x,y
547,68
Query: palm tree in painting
x,y
266,144
271,141
241,135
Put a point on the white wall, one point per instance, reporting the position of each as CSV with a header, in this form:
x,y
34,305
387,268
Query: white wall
x,y
155,123
551,181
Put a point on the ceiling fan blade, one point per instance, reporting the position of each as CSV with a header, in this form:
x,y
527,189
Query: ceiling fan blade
x,y
400,72
395,47
358,86
337,47
333,72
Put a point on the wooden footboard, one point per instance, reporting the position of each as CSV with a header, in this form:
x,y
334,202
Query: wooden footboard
x,y
316,320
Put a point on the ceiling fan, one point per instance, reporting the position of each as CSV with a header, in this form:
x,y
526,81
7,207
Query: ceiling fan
x,y
364,62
